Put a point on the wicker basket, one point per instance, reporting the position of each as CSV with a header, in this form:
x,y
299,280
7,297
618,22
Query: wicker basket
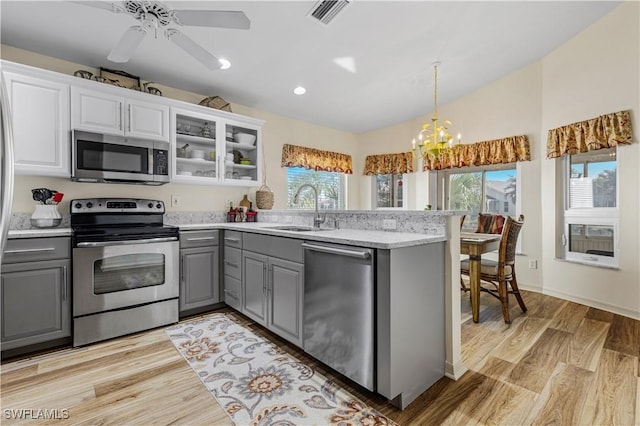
x,y
216,102
264,198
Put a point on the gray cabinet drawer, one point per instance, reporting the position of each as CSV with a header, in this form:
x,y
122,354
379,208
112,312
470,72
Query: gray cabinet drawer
x,y
36,249
283,248
233,239
233,292
206,238
233,262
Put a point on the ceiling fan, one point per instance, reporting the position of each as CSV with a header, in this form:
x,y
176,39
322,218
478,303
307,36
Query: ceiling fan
x,y
154,16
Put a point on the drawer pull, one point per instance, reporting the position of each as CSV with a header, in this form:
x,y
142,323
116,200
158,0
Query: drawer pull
x,y
201,239
235,265
24,251
232,240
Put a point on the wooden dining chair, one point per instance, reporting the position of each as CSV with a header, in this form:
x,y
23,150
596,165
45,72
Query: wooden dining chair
x,y
500,276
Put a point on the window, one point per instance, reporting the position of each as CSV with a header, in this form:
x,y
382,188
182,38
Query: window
x,y
330,185
487,191
590,232
389,191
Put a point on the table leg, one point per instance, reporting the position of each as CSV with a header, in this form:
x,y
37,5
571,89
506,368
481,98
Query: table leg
x,y
474,284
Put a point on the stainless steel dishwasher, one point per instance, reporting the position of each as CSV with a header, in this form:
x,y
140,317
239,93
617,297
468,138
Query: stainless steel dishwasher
x,y
339,309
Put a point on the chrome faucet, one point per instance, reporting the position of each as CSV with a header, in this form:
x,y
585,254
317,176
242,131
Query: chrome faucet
x,y
317,219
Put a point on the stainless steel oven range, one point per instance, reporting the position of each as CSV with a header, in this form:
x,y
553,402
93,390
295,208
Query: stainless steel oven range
x,y
125,268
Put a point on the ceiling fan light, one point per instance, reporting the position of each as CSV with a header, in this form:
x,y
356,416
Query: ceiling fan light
x,y
224,64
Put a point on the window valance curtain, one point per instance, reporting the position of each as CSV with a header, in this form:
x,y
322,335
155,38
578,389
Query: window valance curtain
x,y
605,131
497,151
383,164
316,159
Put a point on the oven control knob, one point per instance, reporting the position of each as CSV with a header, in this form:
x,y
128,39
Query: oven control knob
x,y
159,206
78,205
150,205
89,204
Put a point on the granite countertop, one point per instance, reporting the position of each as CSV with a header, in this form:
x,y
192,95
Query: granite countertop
x,y
359,237
363,238
39,232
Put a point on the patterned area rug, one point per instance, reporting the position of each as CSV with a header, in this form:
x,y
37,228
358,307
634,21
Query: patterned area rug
x,y
258,384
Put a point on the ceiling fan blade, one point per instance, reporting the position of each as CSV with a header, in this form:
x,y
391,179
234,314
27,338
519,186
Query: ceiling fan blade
x,y
194,49
213,18
110,6
127,45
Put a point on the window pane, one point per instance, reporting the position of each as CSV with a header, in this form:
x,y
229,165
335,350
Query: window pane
x,y
593,180
500,192
389,190
331,192
465,193
384,187
591,239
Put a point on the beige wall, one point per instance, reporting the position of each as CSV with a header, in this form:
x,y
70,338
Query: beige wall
x,y
596,72
277,131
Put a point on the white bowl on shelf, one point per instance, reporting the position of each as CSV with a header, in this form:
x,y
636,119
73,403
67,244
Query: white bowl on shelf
x,y
244,138
246,178
196,153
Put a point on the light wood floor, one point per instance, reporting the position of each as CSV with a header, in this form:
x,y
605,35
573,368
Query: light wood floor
x,y
561,363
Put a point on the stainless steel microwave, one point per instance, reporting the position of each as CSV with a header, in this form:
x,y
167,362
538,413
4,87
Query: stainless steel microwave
x,y
97,157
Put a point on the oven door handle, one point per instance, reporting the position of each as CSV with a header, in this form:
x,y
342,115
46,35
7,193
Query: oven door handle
x,y
126,242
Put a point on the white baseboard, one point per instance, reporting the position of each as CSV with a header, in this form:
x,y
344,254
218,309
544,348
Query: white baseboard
x,y
593,303
455,371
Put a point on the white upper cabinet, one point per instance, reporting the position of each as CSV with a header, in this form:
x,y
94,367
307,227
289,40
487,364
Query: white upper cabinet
x,y
40,119
207,148
103,112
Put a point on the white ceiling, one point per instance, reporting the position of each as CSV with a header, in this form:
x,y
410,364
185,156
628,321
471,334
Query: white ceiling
x,y
391,45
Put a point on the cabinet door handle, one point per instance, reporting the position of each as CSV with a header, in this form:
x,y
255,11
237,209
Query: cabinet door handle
x,y
264,278
24,251
120,115
181,269
129,124
235,265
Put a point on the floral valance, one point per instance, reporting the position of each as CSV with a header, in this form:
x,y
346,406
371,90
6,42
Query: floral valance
x,y
498,151
316,159
383,164
605,131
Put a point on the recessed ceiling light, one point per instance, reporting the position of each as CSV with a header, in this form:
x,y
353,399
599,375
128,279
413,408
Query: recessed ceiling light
x,y
224,64
299,90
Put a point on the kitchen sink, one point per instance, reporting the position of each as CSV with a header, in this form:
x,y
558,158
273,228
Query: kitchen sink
x,y
295,228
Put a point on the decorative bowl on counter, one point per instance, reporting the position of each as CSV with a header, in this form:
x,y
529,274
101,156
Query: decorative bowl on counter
x,y
244,138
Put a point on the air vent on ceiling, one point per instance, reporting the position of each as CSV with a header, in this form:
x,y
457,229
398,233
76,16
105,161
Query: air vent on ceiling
x,y
325,10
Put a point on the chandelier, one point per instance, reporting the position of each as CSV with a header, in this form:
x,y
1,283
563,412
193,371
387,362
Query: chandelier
x,y
434,138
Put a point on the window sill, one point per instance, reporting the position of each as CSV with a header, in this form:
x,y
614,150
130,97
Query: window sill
x,y
595,265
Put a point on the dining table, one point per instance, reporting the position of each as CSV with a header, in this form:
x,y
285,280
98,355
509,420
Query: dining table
x,y
475,245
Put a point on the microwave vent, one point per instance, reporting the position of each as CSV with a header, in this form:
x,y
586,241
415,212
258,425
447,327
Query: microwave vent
x,y
325,11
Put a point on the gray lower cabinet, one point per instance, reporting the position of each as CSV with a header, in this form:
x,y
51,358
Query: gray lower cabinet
x,y
199,271
232,266
36,298
273,287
